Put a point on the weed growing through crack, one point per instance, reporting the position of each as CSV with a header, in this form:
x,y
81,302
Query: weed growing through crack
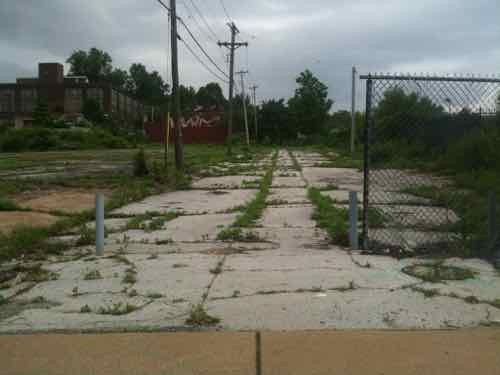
x,y
85,309
329,217
93,275
296,164
437,272
179,265
154,295
118,309
130,276
199,317
218,268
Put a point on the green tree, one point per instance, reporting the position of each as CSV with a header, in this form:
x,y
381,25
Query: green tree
x,y
92,111
274,122
309,107
210,96
145,86
119,78
95,64
187,96
400,115
41,115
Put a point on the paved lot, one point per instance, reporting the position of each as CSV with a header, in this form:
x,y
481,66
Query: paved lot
x,y
288,277
462,352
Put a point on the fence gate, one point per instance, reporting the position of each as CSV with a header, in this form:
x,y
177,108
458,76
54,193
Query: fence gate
x,y
412,124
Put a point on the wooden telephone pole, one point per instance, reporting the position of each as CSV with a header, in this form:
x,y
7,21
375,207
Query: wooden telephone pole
x,y
254,99
244,98
232,46
176,104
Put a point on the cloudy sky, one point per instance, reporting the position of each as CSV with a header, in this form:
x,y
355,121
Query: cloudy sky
x,y
285,36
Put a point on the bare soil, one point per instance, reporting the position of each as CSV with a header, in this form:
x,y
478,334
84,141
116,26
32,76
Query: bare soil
x,y
67,201
9,220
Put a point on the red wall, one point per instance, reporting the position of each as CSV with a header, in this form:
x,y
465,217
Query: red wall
x,y
201,128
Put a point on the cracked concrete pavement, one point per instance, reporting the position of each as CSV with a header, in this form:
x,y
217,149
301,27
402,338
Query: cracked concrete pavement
x,y
290,277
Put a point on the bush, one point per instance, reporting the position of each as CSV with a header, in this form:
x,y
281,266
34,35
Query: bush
x,y
140,165
44,139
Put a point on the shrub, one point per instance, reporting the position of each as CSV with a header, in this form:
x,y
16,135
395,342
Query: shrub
x,y
140,165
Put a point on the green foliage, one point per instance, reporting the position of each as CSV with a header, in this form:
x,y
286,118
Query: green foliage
x,y
334,220
310,105
140,164
199,317
44,139
210,96
41,116
25,240
8,205
95,64
398,114
274,122
92,111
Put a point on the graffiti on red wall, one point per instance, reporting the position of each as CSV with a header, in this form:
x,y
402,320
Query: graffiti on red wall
x,y
204,126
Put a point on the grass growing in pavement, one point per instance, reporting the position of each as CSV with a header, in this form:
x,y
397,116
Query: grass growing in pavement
x,y
252,211
333,219
295,162
437,272
199,317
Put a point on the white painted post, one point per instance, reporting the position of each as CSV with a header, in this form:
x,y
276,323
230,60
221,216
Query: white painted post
x,y
99,224
353,220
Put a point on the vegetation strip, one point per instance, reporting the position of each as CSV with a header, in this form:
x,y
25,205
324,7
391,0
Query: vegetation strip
x,y
333,219
252,211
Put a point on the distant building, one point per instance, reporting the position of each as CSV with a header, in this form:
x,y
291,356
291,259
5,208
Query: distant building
x,y
64,96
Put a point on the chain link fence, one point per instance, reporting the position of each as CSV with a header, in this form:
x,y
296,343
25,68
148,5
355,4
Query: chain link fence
x,y
417,130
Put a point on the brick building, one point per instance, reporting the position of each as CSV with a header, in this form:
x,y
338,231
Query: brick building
x,y
64,96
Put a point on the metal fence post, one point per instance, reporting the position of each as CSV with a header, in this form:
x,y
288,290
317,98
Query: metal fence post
x,y
353,220
366,162
99,224
493,227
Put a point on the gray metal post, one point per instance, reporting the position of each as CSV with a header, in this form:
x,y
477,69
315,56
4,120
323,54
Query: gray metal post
x,y
493,227
99,224
353,111
353,220
366,166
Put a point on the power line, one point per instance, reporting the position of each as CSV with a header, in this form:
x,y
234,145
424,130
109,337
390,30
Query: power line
x,y
163,5
204,20
201,61
225,11
201,48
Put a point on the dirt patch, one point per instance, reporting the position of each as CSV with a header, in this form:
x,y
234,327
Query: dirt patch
x,y
435,273
66,201
11,219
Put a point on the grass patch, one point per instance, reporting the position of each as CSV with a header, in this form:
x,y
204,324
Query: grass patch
x,y
436,272
118,309
334,220
130,276
93,275
295,162
237,234
8,205
199,317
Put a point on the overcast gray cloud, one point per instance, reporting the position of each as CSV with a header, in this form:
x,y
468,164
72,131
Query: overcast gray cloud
x,y
285,36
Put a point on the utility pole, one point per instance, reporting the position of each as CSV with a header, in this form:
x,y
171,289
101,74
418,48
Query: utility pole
x,y
353,111
233,45
244,98
254,97
176,104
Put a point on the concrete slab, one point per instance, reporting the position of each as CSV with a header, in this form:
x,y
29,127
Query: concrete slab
x,y
288,217
288,196
321,177
359,309
227,182
341,196
191,228
190,202
291,182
